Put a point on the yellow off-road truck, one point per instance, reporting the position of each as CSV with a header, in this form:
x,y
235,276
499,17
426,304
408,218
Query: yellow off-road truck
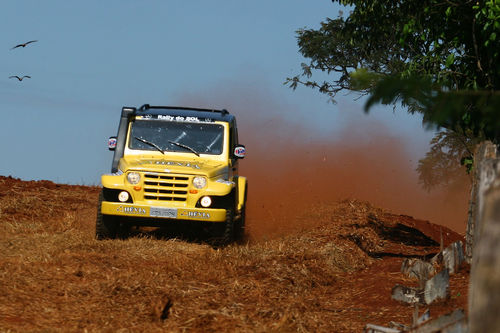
x,y
174,164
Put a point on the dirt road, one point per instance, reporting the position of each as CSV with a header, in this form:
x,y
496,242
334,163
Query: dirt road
x,y
333,272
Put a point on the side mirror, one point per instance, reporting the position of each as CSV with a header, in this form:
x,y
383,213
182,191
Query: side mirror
x,y
112,143
239,151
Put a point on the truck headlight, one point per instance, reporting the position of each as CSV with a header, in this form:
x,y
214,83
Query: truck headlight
x,y
206,201
123,196
133,178
199,182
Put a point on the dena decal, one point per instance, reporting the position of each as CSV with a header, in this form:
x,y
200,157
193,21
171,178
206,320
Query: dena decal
x,y
195,214
131,210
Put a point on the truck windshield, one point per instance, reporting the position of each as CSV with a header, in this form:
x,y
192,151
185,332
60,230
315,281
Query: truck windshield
x,y
169,136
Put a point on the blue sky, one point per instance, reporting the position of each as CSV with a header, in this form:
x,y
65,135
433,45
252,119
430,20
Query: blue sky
x,y
93,57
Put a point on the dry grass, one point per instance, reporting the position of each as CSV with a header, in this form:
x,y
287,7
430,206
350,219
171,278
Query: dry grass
x,y
55,277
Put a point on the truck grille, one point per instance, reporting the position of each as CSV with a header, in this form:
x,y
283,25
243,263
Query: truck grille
x,y
165,188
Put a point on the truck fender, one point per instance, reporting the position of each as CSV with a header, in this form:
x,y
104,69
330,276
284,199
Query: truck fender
x,y
242,192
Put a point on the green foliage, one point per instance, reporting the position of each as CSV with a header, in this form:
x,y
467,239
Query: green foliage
x,y
487,15
451,152
475,110
468,163
438,58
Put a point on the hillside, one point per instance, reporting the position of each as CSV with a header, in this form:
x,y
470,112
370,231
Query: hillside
x,y
334,274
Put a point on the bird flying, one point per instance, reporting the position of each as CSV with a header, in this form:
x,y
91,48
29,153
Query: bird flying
x,y
20,78
24,44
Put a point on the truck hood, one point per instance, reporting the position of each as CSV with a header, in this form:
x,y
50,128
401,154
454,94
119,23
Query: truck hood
x,y
172,165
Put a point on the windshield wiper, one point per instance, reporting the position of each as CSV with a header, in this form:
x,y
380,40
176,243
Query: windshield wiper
x,y
185,147
209,147
152,144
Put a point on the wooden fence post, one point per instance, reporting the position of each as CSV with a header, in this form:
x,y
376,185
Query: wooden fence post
x,y
484,294
485,151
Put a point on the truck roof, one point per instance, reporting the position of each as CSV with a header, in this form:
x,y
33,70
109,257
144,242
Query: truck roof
x,y
180,111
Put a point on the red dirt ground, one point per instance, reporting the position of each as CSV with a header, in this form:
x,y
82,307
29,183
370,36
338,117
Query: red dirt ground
x,y
332,272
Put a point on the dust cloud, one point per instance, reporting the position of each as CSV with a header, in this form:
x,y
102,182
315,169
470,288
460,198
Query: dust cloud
x,y
290,170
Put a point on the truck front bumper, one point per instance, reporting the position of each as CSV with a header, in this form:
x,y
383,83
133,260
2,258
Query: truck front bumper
x,y
145,211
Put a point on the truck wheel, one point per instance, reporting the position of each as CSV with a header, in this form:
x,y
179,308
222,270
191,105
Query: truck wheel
x,y
223,233
239,226
229,230
106,227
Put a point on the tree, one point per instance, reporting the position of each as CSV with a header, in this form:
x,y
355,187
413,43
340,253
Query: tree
x,y
439,58
442,163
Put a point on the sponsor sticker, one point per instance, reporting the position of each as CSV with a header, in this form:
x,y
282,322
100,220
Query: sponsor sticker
x,y
196,214
172,163
239,151
131,210
112,143
185,119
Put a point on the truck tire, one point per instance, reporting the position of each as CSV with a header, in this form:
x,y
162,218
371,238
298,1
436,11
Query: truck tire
x,y
222,233
239,226
106,226
229,230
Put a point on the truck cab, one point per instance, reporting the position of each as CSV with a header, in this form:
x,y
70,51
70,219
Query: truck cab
x,y
174,164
